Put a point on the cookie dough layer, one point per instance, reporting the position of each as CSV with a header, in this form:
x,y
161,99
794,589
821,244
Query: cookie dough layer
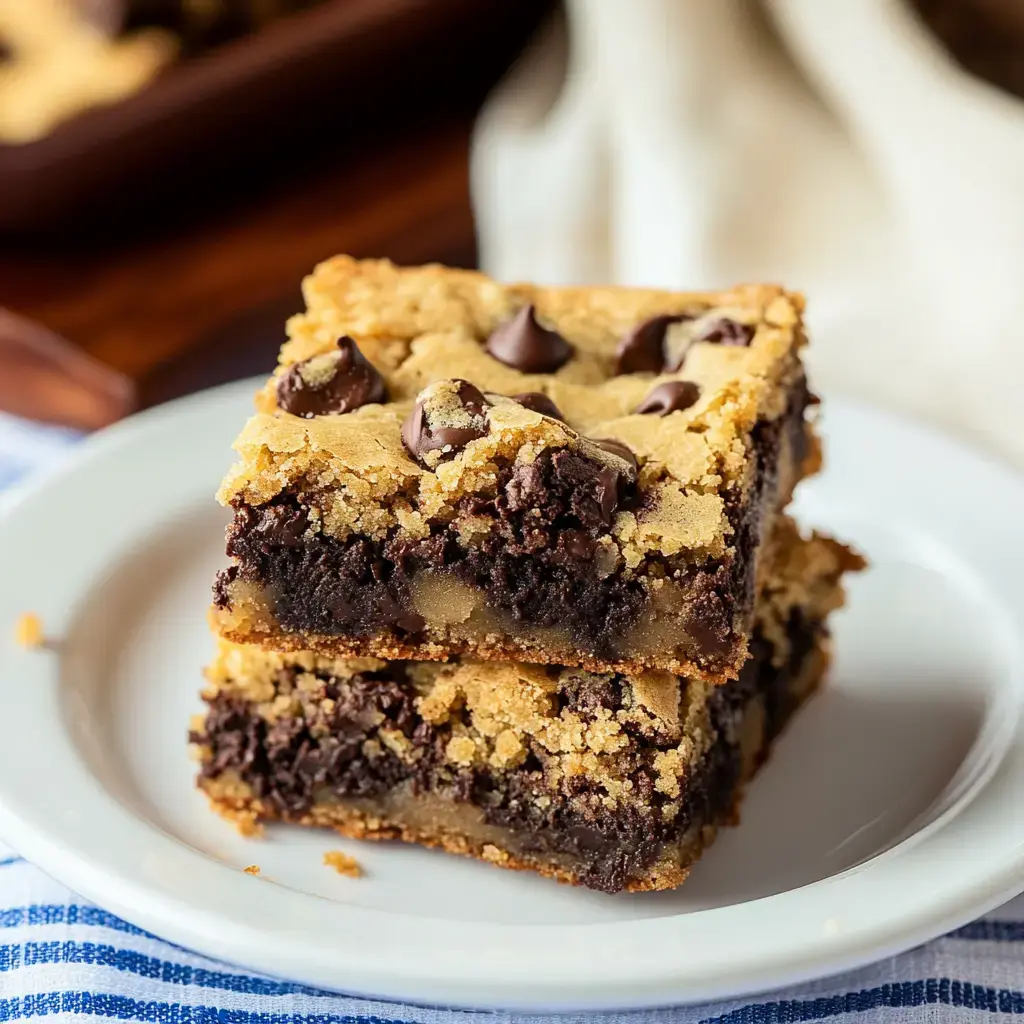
x,y
610,781
529,541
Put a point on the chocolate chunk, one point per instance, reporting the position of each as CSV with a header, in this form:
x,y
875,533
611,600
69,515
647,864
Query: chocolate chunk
x,y
410,621
269,527
643,349
611,485
672,396
623,451
222,586
536,401
573,547
524,344
282,525
724,331
336,382
390,610
526,488
446,417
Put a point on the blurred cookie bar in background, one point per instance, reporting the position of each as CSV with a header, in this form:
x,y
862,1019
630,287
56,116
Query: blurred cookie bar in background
x,y
197,23
56,63
61,57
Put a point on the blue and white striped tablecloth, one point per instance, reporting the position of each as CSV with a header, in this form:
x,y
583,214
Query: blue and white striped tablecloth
x,y
67,959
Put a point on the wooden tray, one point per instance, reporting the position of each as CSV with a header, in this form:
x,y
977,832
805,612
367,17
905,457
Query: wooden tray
x,y
276,96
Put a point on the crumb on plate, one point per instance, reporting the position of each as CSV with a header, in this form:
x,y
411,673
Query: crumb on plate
x,y
343,863
28,630
252,869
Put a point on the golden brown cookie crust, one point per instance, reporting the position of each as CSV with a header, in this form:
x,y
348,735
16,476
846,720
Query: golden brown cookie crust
x,y
423,324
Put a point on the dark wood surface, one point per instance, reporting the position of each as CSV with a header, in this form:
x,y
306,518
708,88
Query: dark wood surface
x,y
189,307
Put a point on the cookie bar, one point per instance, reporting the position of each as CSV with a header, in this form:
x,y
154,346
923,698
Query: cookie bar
x,y
54,64
612,781
197,24
579,476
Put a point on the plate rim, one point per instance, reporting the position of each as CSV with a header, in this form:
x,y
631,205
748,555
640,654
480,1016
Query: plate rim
x,y
612,966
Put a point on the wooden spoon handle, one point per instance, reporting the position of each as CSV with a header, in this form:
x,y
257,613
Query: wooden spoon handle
x,y
44,377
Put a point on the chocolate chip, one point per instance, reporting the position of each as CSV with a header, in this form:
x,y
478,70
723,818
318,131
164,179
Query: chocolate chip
x,y
336,382
643,349
672,396
612,486
446,417
536,401
724,331
624,452
6,52
524,344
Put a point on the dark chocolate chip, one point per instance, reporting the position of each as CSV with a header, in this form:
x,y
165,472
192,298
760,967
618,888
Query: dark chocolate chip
x,y
6,52
536,401
337,382
624,452
672,396
612,486
724,331
425,428
643,349
281,525
524,344
404,618
411,622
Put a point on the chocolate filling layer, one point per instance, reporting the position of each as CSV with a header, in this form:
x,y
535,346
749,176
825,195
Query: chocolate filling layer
x,y
293,762
537,564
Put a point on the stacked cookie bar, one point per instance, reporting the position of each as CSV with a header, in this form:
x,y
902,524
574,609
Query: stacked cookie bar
x,y
511,573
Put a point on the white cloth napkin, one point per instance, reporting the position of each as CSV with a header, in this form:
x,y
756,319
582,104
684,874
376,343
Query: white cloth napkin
x,y
830,145
65,958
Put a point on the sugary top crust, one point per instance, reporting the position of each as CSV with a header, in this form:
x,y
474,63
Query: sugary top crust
x,y
424,324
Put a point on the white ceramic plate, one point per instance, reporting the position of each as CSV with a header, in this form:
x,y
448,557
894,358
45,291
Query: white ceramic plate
x,y
890,812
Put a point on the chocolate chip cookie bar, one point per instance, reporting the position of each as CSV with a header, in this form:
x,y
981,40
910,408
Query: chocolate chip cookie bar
x,y
608,780
54,64
443,465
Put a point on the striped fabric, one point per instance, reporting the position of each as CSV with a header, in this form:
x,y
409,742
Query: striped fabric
x,y
63,958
